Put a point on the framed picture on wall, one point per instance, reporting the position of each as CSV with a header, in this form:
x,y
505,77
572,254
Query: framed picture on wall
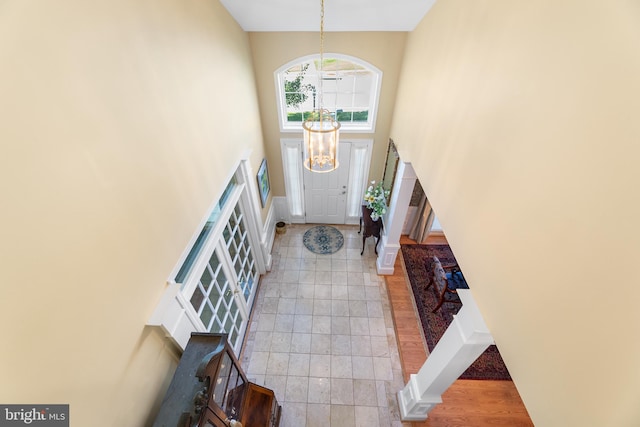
x,y
263,182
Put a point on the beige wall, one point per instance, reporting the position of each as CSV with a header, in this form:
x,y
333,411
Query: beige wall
x,y
273,50
520,121
120,122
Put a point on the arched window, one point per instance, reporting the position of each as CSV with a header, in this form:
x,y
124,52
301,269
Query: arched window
x,y
350,89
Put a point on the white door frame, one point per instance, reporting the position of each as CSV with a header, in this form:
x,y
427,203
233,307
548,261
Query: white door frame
x,y
359,164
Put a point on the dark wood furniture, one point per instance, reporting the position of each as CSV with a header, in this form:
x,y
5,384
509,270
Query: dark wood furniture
x,y
209,389
446,280
371,228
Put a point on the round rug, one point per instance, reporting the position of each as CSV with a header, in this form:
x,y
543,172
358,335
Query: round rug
x,y
323,239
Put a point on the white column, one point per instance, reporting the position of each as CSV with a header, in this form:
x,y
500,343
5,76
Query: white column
x,y
466,338
393,221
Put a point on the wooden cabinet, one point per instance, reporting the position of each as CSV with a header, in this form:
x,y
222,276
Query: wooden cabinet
x,y
209,388
258,396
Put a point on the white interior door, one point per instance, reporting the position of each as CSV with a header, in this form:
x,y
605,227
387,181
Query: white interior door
x,y
326,193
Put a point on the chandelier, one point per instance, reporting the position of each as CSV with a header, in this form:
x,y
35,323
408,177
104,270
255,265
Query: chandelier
x,y
321,130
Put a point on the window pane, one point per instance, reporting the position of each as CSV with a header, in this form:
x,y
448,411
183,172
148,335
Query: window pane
x,y
215,264
231,406
228,324
358,166
233,337
216,326
363,83
291,155
197,298
206,278
344,99
232,250
346,85
220,283
214,296
206,315
228,298
220,385
204,233
233,312
248,288
235,395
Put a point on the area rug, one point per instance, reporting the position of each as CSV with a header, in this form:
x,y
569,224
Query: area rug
x,y
323,239
489,366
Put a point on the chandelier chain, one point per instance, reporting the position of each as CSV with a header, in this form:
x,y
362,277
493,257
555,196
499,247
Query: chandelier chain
x,y
320,129
320,97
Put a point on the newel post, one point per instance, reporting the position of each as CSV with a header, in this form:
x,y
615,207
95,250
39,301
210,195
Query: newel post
x,y
466,338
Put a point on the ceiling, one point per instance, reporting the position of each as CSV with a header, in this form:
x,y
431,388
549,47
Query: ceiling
x,y
340,15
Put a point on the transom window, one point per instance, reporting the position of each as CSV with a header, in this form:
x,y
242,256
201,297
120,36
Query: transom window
x,y
350,91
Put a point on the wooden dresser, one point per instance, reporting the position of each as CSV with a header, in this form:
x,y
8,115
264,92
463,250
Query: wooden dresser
x,y
209,388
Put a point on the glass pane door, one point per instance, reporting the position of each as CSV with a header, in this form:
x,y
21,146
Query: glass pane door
x,y
215,303
225,288
238,245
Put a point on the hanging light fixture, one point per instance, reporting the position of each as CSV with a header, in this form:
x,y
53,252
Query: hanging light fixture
x,y
321,130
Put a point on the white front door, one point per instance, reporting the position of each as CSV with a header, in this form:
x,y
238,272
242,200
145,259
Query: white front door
x,y
326,193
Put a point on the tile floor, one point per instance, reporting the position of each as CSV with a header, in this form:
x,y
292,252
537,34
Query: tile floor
x,y
322,335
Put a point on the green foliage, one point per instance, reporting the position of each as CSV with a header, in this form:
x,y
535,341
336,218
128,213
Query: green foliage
x,y
342,116
358,116
299,117
294,91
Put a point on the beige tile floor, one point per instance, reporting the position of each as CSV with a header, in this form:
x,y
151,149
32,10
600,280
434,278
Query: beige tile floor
x,y
321,335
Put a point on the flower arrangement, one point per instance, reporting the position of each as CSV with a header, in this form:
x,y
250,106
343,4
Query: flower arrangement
x,y
376,200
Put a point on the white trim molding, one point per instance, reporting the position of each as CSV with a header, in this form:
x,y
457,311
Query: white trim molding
x,y
466,338
268,236
171,316
394,219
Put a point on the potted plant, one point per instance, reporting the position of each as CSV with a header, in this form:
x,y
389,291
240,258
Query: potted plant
x,y
375,198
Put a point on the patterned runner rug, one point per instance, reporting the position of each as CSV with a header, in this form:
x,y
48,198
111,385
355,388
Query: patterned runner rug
x,y
489,366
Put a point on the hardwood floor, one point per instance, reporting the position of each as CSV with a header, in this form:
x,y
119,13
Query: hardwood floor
x,y
467,403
